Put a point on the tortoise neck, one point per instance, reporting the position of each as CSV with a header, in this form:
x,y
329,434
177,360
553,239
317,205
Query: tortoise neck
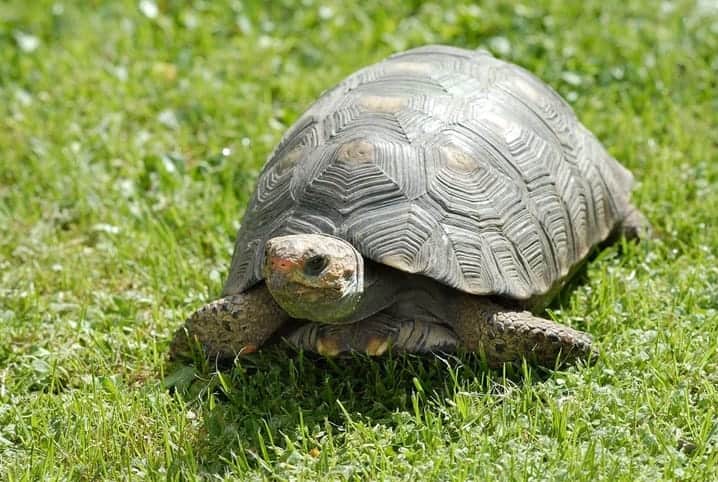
x,y
405,295
381,287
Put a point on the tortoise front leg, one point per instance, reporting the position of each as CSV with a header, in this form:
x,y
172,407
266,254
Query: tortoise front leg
x,y
234,325
504,335
374,336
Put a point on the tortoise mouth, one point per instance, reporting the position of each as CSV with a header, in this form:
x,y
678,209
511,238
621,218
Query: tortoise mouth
x,y
375,336
326,305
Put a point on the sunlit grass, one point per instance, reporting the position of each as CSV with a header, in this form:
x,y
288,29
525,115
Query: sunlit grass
x,y
130,137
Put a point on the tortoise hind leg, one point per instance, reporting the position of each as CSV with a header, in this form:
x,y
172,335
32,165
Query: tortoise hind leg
x,y
233,325
505,335
634,225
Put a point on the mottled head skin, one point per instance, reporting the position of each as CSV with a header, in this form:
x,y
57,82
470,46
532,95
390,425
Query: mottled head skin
x,y
314,277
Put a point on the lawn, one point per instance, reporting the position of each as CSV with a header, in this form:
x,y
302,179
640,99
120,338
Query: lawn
x,y
131,133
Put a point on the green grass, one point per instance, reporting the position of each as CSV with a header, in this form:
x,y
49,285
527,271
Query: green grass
x,y
129,144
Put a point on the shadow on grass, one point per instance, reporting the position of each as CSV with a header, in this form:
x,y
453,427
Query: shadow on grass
x,y
277,401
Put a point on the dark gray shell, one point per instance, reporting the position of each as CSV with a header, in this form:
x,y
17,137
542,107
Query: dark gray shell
x,y
444,162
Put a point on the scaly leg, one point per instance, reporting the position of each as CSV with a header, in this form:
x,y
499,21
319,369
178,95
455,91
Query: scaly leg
x,y
504,335
233,325
635,225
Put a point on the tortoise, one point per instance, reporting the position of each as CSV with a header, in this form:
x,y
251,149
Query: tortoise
x,y
432,202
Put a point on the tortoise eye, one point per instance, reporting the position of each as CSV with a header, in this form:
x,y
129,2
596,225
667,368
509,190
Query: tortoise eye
x,y
315,265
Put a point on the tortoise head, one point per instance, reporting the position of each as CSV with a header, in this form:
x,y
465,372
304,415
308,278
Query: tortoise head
x,y
314,276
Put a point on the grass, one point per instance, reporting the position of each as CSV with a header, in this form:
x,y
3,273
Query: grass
x,y
130,137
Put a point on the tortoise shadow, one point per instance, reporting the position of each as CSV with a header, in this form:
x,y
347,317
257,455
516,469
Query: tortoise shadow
x,y
277,397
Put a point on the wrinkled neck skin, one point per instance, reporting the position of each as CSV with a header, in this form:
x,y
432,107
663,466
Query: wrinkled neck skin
x,y
381,287
404,295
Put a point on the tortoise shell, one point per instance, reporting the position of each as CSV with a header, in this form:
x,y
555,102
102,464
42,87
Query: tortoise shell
x,y
443,162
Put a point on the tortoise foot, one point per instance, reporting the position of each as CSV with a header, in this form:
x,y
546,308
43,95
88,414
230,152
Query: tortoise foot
x,y
374,336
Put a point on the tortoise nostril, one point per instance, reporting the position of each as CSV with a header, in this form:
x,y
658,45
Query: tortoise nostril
x,y
280,265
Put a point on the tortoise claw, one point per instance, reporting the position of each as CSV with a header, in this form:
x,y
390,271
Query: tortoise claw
x,y
376,346
328,346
